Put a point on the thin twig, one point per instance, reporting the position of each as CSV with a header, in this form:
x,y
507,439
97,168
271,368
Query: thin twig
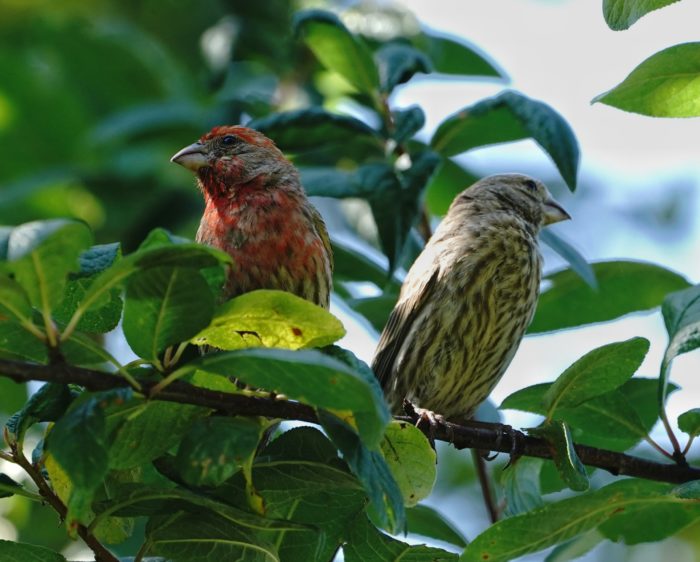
x,y
485,483
483,436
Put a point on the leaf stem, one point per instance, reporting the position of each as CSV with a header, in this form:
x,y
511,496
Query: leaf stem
x,y
688,444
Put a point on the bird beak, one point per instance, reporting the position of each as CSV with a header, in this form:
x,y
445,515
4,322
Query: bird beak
x,y
192,157
554,212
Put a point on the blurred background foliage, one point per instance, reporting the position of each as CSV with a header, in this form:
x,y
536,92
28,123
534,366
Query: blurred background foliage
x,y
95,98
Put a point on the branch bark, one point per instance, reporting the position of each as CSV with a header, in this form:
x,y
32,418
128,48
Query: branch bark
x,y
475,435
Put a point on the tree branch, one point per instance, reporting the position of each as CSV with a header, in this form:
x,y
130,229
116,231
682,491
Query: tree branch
x,y
475,435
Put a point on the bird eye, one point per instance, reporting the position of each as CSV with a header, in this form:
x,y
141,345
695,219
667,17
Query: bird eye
x,y
228,140
531,185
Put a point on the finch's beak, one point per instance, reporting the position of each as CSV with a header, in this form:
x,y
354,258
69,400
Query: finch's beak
x,y
192,157
554,212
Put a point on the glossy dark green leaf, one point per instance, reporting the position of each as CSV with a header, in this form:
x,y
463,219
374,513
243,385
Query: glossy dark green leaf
x,y
688,491
576,261
621,14
599,371
398,63
77,442
428,522
521,486
205,537
214,448
456,56
11,551
407,122
98,258
298,472
327,181
563,520
46,404
267,318
308,376
165,306
138,499
664,85
104,314
338,49
371,469
314,134
689,422
396,202
141,430
570,467
507,117
623,287
681,312
14,302
43,253
366,542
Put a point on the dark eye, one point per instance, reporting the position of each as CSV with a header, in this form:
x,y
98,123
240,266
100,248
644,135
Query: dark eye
x,y
531,185
228,140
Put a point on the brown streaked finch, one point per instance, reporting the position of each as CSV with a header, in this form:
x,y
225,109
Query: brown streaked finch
x,y
467,300
256,210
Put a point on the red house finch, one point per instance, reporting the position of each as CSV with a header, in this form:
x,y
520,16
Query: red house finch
x,y
257,211
467,299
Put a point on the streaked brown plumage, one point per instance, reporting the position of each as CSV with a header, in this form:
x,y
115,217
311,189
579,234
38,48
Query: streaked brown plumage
x,y
468,298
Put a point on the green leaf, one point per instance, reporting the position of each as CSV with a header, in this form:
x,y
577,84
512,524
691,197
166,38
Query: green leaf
x,y
46,404
165,306
398,63
689,422
352,264
338,49
507,117
78,444
375,309
366,542
206,537
103,316
667,84
681,312
456,56
396,200
570,467
14,395
599,371
371,469
42,253
411,459
137,499
563,520
270,318
575,548
688,491
621,14
327,181
576,261
8,487
308,376
623,287
428,522
521,486
140,430
305,130
449,180
20,552
615,420
214,448
98,258
14,302
298,472
407,122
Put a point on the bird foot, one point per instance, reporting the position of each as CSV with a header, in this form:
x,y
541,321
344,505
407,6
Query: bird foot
x,y
426,420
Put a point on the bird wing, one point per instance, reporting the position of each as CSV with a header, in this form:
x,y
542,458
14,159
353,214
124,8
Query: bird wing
x,y
399,326
320,227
